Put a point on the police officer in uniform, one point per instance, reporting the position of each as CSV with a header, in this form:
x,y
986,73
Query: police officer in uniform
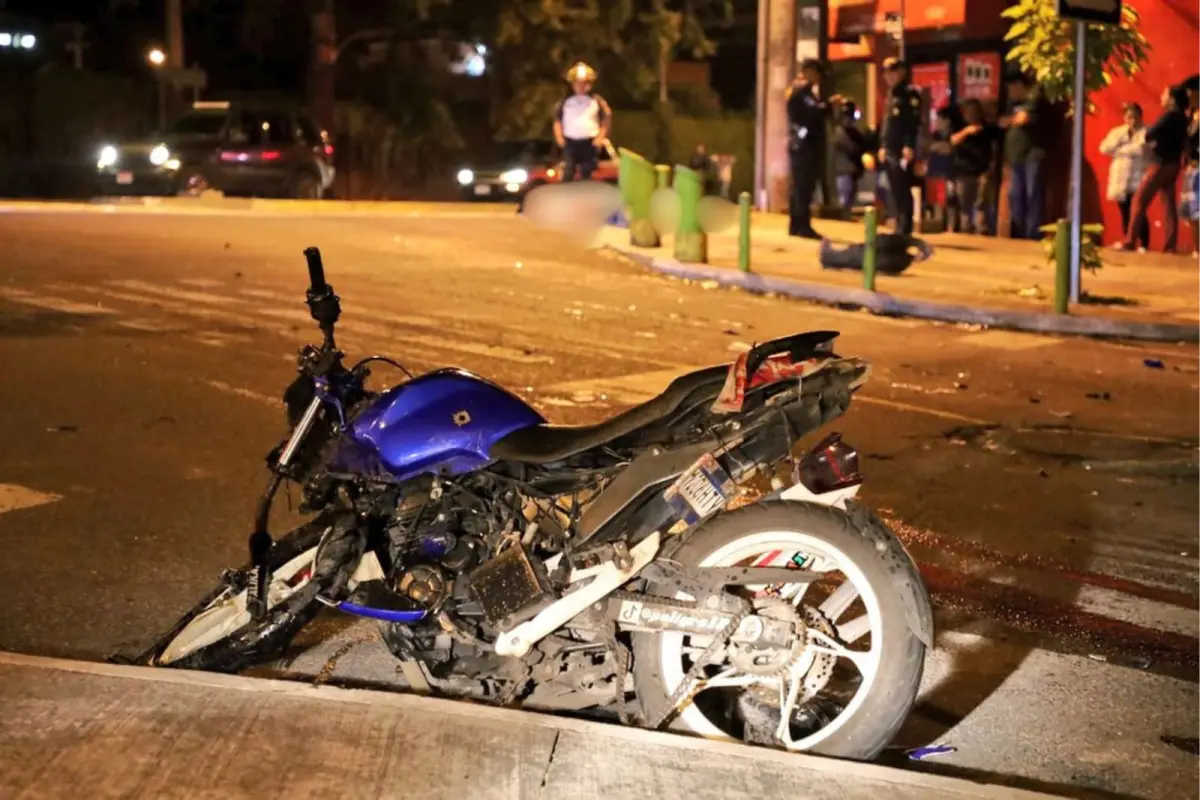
x,y
806,146
581,123
898,141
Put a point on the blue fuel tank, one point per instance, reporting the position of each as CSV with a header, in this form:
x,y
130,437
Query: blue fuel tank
x,y
443,421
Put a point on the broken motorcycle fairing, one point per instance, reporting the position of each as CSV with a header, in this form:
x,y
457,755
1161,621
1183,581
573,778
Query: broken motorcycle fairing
x,y
509,559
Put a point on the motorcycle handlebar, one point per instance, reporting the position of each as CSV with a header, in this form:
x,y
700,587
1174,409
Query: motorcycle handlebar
x,y
316,270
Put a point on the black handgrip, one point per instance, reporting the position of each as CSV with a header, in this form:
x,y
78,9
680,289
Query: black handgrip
x,y
316,270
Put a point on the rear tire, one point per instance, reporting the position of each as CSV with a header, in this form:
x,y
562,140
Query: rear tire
x,y
890,694
255,642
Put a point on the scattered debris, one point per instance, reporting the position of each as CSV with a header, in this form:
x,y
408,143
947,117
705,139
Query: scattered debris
x,y
1062,414
1098,657
63,429
1139,662
237,274
709,284
1099,396
228,245
645,334
739,347
1043,474
1153,363
960,385
915,388
1034,291
922,753
731,332
519,265
1035,400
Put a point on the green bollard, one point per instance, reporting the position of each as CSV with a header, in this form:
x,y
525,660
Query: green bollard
x,y
662,173
691,243
869,250
744,231
635,178
1062,266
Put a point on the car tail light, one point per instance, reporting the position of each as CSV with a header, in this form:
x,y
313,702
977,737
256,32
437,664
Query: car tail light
x,y
831,465
271,155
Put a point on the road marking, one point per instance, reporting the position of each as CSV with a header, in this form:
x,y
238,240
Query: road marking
x,y
249,394
52,303
15,498
1007,340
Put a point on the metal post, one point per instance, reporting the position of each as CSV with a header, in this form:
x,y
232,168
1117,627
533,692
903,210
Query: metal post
x,y
1062,266
662,174
744,231
1077,159
869,247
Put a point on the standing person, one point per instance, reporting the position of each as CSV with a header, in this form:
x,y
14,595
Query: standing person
x,y
849,146
898,141
1166,140
702,163
1126,145
1025,154
974,162
1191,176
939,167
806,146
581,123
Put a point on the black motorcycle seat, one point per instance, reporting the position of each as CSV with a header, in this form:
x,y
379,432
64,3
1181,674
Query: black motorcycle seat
x,y
546,443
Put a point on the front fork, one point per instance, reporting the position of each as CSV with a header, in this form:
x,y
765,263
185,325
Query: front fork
x,y
260,540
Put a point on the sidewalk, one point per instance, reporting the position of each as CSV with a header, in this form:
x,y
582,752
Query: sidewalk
x,y
97,730
974,279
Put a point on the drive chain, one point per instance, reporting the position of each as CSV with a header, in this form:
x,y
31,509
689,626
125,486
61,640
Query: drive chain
x,y
684,693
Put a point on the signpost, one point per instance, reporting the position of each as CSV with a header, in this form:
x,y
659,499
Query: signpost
x,y
1105,12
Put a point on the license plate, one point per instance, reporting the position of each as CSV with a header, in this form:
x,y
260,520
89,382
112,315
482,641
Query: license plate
x,y
124,178
703,490
483,189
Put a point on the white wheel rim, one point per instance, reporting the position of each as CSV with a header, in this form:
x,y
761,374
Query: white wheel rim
x,y
228,613
786,544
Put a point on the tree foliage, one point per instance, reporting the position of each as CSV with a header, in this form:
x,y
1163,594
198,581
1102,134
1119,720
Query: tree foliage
x,y
533,42
1043,44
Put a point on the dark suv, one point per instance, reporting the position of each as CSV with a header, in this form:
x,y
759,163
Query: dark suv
x,y
234,148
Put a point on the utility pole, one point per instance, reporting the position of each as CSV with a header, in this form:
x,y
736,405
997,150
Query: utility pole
x,y
322,75
174,34
77,44
776,61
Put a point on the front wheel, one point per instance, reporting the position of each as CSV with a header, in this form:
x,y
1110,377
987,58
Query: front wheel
x,y
847,682
218,633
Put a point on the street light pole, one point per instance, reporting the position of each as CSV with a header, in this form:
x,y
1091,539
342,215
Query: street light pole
x,y
174,34
1077,158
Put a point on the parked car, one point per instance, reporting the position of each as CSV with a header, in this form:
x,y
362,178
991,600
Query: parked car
x,y
246,149
522,166
502,173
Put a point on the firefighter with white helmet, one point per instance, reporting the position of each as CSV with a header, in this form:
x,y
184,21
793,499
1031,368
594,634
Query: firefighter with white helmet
x,y
581,123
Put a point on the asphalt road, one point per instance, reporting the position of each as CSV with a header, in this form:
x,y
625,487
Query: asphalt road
x,y
1048,486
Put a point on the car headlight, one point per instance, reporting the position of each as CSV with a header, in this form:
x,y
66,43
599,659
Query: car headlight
x,y
159,155
107,157
514,176
465,176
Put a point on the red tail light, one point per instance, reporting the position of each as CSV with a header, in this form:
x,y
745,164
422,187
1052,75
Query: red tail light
x,y
329,151
831,465
271,155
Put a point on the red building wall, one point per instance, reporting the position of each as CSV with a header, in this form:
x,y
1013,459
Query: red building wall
x,y
1172,29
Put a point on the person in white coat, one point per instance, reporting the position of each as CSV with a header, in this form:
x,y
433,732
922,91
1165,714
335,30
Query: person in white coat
x,y
1125,144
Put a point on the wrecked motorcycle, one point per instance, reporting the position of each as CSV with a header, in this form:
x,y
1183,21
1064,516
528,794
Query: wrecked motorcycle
x,y
674,566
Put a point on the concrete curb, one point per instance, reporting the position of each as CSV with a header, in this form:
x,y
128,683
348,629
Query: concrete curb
x,y
930,784
239,205
888,305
